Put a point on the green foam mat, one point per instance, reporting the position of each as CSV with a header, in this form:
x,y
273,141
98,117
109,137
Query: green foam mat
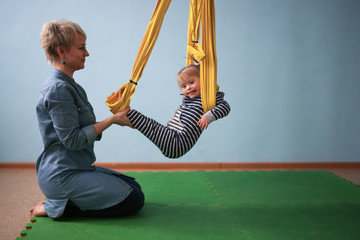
x,y
225,205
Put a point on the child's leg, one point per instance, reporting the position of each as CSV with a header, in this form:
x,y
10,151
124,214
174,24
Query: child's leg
x,y
171,143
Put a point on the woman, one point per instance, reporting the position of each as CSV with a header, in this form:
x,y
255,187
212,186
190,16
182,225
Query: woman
x,y
66,176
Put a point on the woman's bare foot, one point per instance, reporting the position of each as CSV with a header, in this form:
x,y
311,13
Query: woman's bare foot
x,y
38,210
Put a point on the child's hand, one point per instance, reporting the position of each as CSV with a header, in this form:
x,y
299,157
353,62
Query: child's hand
x,y
203,122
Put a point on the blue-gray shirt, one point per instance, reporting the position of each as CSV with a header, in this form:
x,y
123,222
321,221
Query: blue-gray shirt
x,y
64,168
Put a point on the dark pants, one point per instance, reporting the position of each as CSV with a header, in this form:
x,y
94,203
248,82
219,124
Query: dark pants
x,y
131,205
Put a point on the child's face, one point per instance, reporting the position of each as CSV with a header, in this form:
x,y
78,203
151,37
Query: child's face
x,y
189,85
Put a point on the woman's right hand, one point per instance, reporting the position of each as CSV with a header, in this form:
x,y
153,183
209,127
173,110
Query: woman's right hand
x,y
121,118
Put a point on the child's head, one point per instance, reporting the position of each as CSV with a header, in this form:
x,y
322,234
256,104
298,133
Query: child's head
x,y
189,80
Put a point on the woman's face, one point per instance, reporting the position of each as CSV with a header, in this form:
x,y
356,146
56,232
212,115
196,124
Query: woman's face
x,y
75,57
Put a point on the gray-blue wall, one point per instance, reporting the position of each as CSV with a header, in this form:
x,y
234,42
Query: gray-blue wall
x,y
290,70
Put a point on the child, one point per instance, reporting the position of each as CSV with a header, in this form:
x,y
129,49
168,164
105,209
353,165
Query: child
x,y
185,127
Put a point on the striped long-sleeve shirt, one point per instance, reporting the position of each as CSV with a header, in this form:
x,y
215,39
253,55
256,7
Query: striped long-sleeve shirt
x,y
182,131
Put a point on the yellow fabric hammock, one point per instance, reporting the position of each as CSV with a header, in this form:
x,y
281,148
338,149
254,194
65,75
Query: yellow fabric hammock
x,y
200,11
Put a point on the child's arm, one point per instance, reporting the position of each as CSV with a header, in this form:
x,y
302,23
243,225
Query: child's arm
x,y
221,110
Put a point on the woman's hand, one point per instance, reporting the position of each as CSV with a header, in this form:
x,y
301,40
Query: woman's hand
x,y
121,118
203,122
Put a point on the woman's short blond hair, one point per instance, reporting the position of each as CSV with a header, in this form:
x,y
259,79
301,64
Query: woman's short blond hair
x,y
58,33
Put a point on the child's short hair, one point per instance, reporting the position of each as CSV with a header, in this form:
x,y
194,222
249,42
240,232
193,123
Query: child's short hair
x,y
191,70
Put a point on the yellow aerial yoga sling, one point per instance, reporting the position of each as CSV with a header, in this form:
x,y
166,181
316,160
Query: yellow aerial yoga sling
x,y
204,11
199,9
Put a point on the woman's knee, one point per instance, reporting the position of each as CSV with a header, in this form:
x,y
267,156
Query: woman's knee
x,y
139,200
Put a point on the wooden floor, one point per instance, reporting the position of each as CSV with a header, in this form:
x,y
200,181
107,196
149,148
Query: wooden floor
x,y
19,192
